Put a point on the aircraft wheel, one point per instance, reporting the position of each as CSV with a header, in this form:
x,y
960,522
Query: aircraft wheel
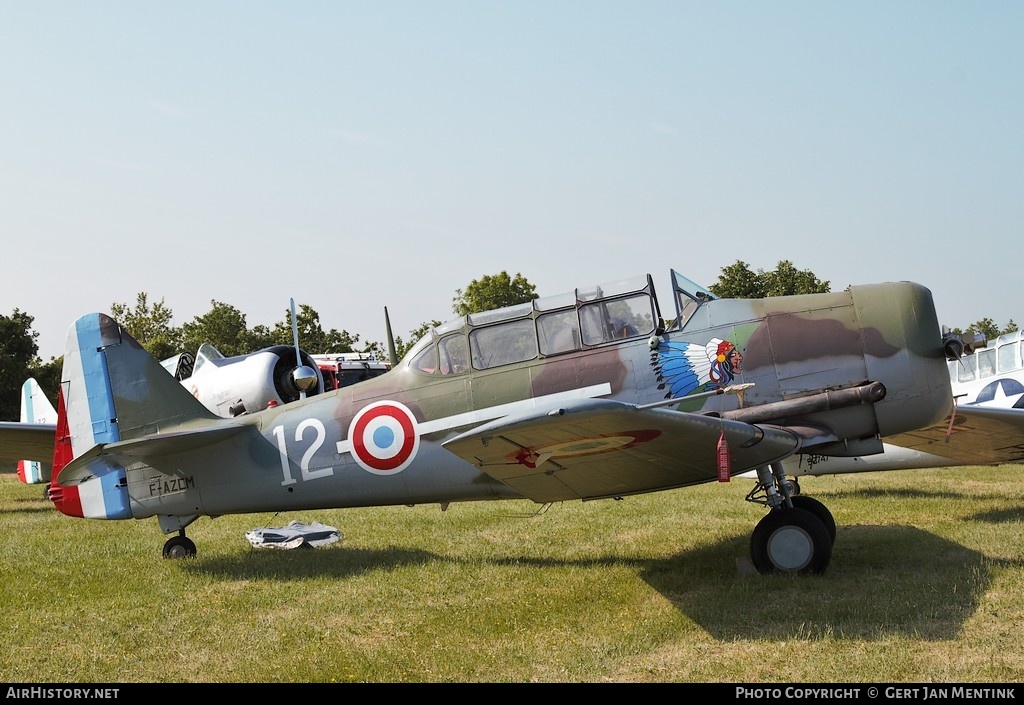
x,y
790,541
179,547
819,510
794,486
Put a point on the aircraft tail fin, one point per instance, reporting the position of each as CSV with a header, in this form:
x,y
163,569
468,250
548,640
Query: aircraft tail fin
x,y
114,390
111,390
35,408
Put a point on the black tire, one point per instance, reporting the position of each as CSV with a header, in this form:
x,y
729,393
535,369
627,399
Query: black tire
x,y
790,541
179,547
819,510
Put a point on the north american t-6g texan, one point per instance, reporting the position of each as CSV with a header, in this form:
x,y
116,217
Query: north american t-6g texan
x,y
583,396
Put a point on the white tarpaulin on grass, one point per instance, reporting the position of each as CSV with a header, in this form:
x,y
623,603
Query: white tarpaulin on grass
x,y
293,535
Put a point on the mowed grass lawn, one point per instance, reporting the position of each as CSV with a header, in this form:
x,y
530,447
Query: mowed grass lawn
x,y
926,584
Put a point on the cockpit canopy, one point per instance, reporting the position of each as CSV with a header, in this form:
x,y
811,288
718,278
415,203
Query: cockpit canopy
x,y
584,318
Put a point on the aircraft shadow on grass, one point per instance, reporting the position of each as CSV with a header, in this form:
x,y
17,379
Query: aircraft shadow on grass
x,y
911,583
1001,516
33,504
992,516
908,494
338,563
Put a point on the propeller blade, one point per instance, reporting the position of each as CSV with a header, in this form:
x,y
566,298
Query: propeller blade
x,y
295,337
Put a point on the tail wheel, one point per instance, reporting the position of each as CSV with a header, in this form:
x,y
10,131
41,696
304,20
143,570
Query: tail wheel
x,y
819,510
790,541
179,547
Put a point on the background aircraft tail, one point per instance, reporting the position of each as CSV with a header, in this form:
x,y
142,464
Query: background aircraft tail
x,y
35,408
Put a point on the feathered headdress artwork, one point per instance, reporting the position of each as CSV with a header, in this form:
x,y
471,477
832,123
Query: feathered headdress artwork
x,y
684,367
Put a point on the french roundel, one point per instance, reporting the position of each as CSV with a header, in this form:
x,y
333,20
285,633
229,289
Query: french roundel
x,y
384,437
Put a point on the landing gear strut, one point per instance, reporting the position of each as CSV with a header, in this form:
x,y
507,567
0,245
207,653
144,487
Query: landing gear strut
x,y
179,546
796,535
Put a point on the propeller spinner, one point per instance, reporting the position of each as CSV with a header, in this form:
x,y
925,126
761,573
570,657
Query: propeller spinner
x,y
303,377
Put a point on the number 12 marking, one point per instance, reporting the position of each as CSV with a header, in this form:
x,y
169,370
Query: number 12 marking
x,y
318,440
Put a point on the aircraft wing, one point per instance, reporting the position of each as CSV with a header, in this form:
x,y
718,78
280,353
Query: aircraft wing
x,y
979,435
598,448
26,441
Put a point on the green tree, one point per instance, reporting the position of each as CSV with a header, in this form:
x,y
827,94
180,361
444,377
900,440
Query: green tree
x,y
47,374
223,327
19,356
380,349
262,337
483,294
401,347
150,326
988,328
312,337
738,281
787,280
493,291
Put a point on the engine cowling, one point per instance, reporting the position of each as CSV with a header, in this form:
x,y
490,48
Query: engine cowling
x,y
291,381
229,386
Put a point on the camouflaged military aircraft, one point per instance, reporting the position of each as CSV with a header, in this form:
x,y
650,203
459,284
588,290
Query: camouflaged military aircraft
x,y
583,396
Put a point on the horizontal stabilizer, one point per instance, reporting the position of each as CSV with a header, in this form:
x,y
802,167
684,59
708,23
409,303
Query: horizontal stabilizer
x,y
148,449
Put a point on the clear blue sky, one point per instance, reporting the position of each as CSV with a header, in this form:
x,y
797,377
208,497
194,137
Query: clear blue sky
x,y
356,155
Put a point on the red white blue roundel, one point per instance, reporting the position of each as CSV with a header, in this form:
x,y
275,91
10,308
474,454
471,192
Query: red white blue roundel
x,y
384,437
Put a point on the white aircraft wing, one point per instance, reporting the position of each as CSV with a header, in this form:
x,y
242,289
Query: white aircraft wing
x,y
600,448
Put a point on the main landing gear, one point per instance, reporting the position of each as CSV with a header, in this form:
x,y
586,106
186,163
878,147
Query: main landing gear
x,y
796,535
179,546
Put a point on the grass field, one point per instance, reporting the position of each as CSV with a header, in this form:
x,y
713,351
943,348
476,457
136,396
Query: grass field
x,y
926,584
